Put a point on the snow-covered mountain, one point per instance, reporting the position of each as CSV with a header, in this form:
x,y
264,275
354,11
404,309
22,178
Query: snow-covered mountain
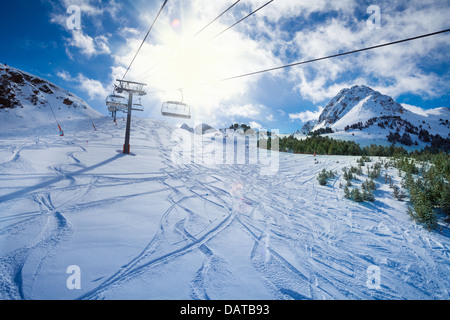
x,y
357,103
199,129
367,116
308,126
27,100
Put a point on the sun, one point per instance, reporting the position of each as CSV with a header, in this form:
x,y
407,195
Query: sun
x,y
178,66
190,63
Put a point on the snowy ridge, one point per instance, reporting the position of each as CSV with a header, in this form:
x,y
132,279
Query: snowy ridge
x,y
358,103
308,126
366,116
27,100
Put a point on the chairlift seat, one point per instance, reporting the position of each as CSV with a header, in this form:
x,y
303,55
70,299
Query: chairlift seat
x,y
137,107
176,109
116,101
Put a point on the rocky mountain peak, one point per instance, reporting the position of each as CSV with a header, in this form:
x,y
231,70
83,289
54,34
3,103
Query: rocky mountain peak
x,y
357,100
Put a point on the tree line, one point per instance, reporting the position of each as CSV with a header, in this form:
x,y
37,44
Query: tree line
x,y
330,146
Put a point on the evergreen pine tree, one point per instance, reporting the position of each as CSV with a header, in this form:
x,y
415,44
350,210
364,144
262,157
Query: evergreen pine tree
x,y
398,194
347,194
356,195
424,211
371,185
444,200
391,183
322,178
365,195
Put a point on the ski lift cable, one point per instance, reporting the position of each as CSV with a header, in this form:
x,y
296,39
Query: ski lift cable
x,y
311,60
236,23
196,34
335,55
228,9
145,38
222,32
51,109
56,119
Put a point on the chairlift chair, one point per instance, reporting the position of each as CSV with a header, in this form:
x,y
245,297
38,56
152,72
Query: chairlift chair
x,y
112,109
176,109
115,101
137,106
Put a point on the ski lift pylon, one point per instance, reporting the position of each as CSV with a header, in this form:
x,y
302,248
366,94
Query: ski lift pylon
x,y
176,109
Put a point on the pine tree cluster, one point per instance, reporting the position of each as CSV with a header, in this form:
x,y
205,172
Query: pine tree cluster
x,y
324,175
367,187
427,178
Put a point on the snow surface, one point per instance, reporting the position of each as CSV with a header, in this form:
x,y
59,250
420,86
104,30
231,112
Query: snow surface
x,y
49,106
144,227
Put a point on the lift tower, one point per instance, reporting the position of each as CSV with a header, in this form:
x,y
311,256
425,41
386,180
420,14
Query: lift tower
x,y
132,88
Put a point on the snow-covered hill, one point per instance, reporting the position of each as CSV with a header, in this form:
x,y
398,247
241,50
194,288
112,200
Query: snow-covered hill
x,y
199,129
27,100
359,103
366,116
148,227
307,127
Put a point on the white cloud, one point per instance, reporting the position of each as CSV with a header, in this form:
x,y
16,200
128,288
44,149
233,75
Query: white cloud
x,y
87,45
94,10
84,42
246,111
289,9
65,76
128,32
102,44
93,88
282,112
393,70
306,115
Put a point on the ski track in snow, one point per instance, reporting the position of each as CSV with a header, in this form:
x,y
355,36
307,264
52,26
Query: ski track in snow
x,y
297,239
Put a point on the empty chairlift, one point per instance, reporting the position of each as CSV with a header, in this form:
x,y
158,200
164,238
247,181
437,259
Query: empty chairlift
x,y
137,106
176,109
116,102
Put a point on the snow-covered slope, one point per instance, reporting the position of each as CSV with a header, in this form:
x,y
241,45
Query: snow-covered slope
x,y
199,129
29,101
148,227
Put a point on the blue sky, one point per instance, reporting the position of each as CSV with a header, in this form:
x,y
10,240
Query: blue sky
x,y
87,61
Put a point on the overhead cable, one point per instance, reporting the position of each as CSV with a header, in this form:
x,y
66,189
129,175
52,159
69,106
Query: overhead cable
x,y
145,38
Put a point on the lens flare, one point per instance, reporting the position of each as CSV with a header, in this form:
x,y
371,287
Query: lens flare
x,y
176,23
